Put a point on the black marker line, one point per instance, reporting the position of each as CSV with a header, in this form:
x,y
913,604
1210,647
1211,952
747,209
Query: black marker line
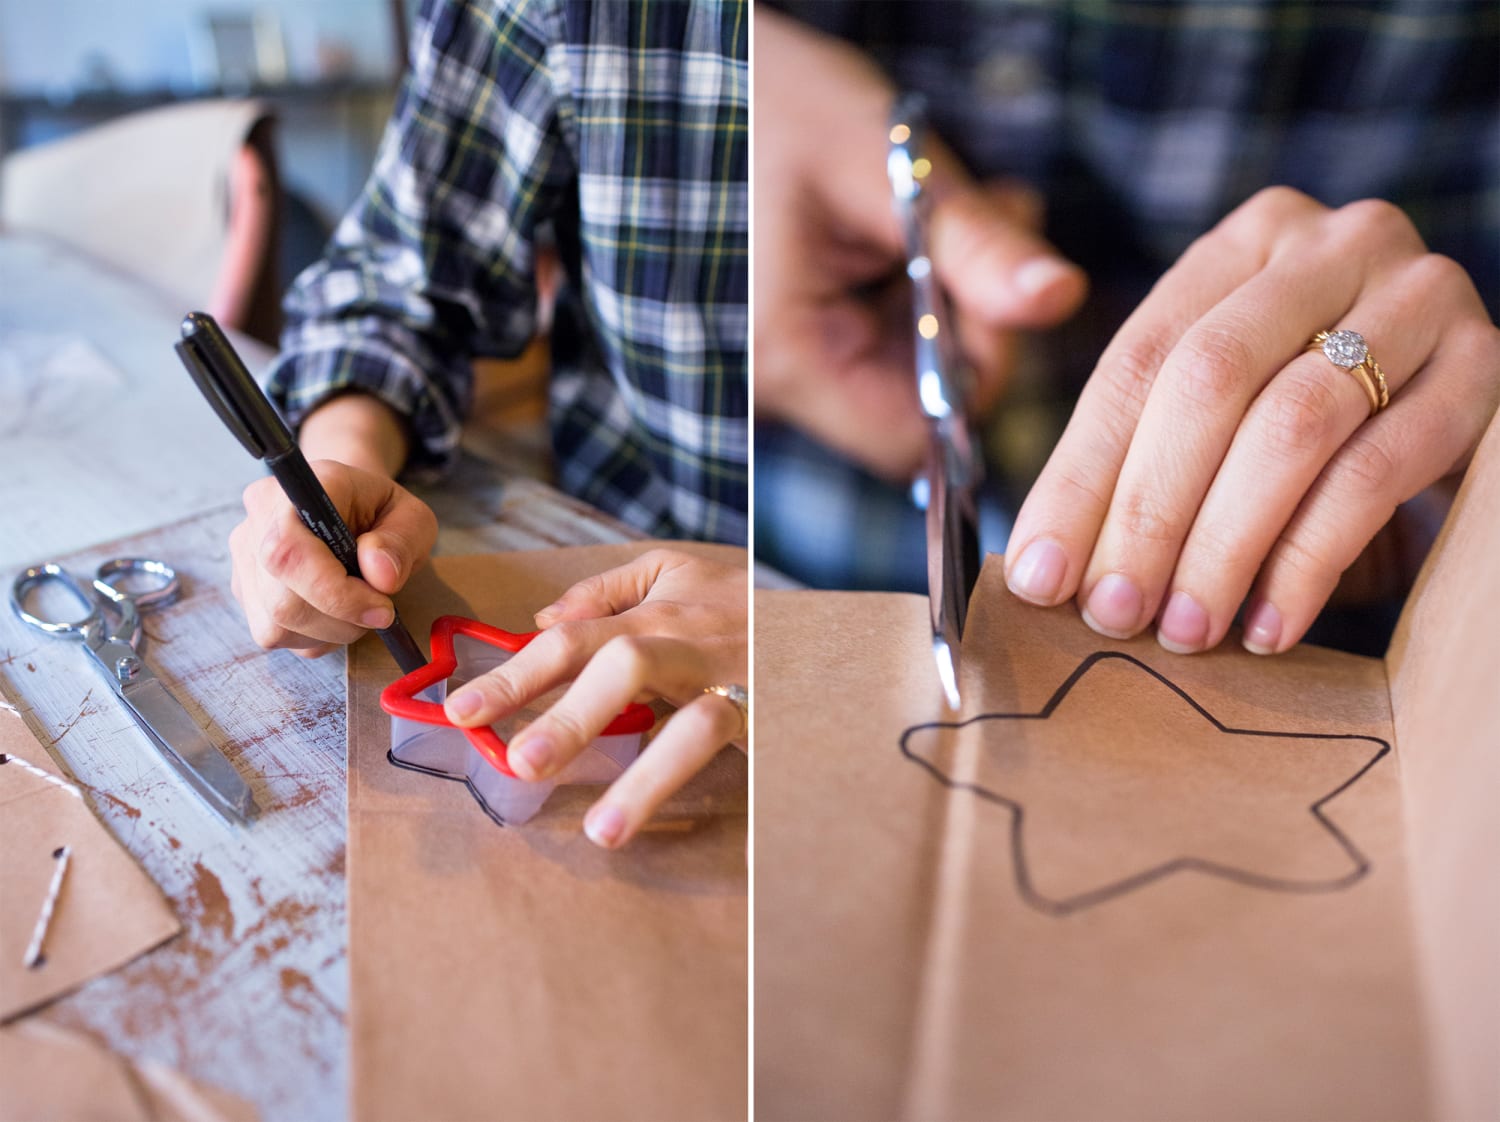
x,y
1071,904
437,773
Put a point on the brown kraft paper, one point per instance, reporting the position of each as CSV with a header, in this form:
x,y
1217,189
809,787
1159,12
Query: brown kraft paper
x,y
107,911
1124,883
48,1074
522,972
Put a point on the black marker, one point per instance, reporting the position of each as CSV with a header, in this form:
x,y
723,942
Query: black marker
x,y
240,404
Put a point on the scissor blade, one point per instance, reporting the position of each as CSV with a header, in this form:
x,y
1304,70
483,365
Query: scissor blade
x,y
188,750
954,465
947,668
952,550
952,561
962,548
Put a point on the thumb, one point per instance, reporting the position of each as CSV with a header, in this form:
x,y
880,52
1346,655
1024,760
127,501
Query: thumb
x,y
992,263
606,594
397,544
983,241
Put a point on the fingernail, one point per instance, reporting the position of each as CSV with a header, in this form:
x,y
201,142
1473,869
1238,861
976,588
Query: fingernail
x,y
378,618
461,706
1040,274
605,825
1262,628
1038,573
393,561
550,610
1114,606
535,751
1184,625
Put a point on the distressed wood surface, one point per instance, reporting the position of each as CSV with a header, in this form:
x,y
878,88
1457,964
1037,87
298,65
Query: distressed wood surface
x,y
251,997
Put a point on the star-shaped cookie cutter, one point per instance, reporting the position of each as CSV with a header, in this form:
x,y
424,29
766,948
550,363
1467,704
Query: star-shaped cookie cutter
x,y
400,699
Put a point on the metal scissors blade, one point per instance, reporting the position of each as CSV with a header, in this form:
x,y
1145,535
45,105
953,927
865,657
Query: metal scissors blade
x,y
187,749
954,465
113,646
952,567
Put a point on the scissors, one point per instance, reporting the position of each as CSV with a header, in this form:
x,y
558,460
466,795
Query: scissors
x,y
111,634
954,467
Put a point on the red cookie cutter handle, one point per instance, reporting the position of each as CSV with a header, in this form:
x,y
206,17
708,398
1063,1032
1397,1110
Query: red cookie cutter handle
x,y
400,699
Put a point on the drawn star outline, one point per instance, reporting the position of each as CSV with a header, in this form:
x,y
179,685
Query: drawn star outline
x,y
1102,805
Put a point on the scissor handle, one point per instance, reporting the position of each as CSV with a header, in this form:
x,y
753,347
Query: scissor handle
x,y
164,590
126,603
38,575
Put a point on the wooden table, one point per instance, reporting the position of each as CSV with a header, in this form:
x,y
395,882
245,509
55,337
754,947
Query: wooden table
x,y
251,997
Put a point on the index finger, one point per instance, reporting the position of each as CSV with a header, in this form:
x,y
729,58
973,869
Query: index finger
x,y
296,558
555,656
626,667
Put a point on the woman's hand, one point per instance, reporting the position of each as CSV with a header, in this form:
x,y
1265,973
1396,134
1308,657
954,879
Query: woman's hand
x,y
667,625
1212,455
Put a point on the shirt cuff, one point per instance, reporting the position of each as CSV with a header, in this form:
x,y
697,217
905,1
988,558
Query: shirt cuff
x,y
312,371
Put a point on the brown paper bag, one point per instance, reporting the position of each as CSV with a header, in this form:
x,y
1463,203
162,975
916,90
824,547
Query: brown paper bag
x,y
1124,883
524,973
107,911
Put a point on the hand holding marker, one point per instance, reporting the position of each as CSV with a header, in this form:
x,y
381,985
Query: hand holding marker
x,y
234,395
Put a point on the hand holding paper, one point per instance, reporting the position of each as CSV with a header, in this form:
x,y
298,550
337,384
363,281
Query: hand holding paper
x,y
665,625
1214,455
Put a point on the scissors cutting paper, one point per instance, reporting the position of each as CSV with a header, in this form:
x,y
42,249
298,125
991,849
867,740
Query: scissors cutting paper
x,y
954,466
111,634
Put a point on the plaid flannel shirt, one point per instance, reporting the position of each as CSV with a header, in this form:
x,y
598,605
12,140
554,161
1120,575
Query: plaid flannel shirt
x,y
1142,123
624,127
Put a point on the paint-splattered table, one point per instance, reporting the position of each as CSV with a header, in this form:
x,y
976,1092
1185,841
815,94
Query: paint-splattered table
x,y
251,997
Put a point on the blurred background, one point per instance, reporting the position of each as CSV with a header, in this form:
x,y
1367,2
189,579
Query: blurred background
x,y
263,117
204,150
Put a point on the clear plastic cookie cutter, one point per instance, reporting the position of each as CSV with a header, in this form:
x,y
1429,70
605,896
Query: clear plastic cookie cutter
x,y
423,739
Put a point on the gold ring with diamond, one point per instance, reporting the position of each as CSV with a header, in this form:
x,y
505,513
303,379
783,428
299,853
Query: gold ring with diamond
x,y
741,699
1347,350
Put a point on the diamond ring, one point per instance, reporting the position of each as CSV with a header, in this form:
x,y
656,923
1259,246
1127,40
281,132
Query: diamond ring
x,y
1347,350
740,698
